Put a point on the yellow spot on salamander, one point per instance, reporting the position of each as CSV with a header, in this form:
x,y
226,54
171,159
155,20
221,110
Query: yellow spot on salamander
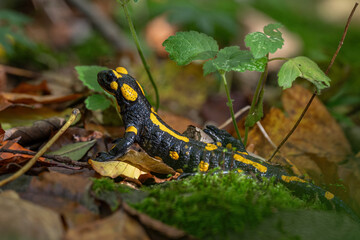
x,y
210,147
203,166
131,129
162,127
114,85
128,92
142,90
329,195
117,74
291,179
244,153
174,155
256,165
218,144
121,70
229,146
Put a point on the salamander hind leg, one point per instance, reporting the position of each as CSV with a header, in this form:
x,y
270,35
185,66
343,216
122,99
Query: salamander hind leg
x,y
224,138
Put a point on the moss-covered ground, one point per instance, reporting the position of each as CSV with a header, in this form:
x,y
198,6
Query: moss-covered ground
x,y
217,206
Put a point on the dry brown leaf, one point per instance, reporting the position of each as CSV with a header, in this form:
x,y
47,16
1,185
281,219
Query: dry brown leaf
x,y
39,89
20,219
318,147
318,144
12,161
117,226
30,99
114,169
132,165
66,194
4,103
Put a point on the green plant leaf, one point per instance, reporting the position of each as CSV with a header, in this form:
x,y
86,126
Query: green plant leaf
x,y
88,75
234,59
302,67
97,102
74,151
255,115
185,47
261,44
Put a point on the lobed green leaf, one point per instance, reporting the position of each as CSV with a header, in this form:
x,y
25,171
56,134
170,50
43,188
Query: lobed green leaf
x,y
302,67
185,47
97,102
234,59
261,44
88,76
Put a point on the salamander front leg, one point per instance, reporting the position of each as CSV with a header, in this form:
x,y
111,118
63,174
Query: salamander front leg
x,y
119,149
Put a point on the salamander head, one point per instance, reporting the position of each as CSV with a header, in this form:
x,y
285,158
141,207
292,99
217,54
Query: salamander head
x,y
120,84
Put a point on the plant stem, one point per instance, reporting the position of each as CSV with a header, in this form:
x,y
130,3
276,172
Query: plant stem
x,y
255,98
230,105
136,40
315,92
278,58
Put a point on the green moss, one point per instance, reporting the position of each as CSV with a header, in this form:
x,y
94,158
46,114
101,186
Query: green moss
x,y
107,184
218,205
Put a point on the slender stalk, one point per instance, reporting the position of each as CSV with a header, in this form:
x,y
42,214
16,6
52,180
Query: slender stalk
x,y
29,164
230,105
278,58
315,92
255,98
137,43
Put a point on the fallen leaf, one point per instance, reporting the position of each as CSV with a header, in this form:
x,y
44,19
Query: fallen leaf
x,y
30,99
132,165
114,169
4,103
74,151
39,131
117,226
21,219
68,195
156,229
40,89
12,161
318,147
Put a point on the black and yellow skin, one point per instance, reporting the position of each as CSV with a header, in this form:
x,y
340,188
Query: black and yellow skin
x,y
145,127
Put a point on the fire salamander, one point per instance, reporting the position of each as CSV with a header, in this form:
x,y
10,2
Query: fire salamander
x,y
144,126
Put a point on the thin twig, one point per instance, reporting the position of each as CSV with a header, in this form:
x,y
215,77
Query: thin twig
x,y
315,92
237,114
263,131
56,158
29,164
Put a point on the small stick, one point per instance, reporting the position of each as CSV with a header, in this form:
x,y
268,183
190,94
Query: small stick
x,y
29,164
237,114
315,92
56,158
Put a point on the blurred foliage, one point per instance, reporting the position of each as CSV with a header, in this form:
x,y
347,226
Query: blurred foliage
x,y
215,18
12,31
